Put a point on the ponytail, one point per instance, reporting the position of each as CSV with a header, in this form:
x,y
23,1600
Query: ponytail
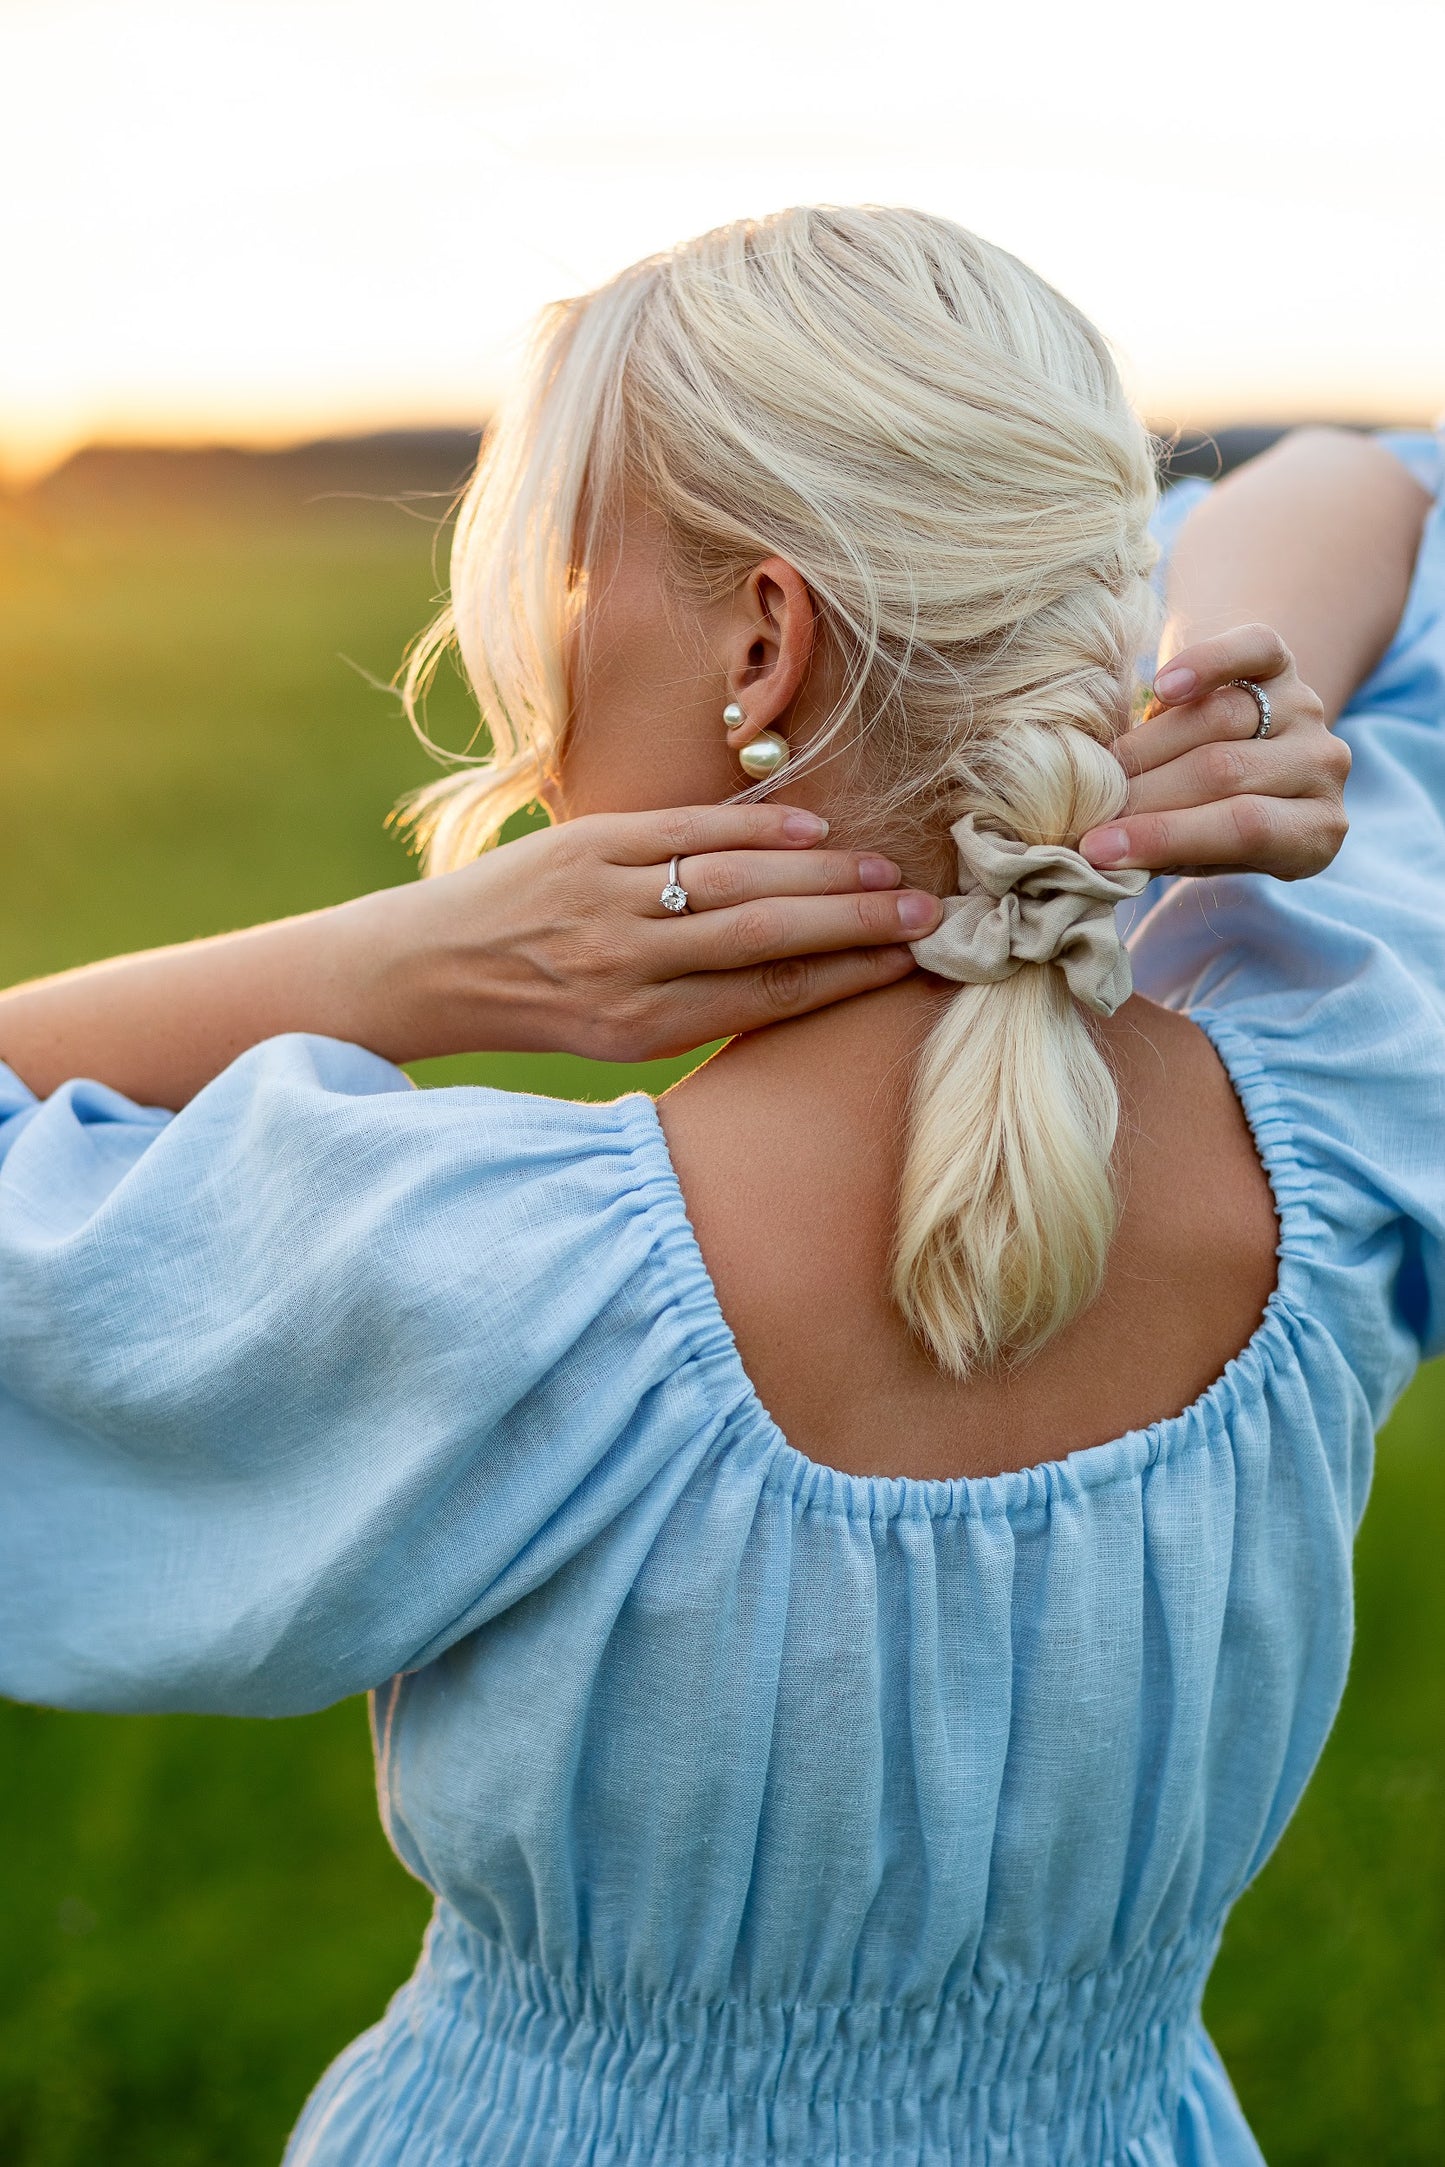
x,y
1007,1206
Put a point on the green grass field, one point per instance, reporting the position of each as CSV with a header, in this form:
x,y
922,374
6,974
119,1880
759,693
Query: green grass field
x,y
195,1915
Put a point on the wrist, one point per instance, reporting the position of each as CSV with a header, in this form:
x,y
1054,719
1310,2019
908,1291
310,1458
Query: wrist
x,y
415,971
379,966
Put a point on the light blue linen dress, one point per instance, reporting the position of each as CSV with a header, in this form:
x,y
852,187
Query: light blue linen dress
x,y
773,1814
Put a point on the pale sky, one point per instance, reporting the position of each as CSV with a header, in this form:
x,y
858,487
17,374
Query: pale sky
x,y
269,218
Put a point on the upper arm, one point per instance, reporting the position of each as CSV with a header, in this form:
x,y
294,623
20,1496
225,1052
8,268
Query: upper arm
x,y
1316,537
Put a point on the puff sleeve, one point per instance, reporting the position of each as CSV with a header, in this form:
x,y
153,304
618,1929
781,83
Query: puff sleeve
x,y
303,1384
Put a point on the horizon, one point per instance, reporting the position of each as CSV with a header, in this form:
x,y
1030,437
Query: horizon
x,y
1189,444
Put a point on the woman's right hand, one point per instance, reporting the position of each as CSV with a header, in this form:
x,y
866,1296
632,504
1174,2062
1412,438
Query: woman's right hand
x,y
559,941
1207,793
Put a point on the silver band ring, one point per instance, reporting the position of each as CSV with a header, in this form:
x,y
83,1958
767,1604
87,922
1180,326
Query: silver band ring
x,y
674,895
1261,700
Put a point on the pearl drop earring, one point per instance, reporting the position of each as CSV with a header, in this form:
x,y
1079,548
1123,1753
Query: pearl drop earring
x,y
767,751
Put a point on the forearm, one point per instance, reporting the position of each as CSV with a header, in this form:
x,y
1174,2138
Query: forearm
x,y
1316,538
160,1025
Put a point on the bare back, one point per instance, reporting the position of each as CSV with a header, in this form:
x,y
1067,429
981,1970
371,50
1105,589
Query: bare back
x,y
788,1149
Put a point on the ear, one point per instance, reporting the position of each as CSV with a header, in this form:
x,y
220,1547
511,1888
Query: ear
x,y
769,646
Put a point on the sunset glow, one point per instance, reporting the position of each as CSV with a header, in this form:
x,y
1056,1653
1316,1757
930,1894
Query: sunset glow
x,y
266,218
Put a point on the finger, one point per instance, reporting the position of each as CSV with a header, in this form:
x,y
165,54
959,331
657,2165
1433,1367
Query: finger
x,y
1287,768
722,1003
1228,713
685,831
721,878
1289,837
1245,651
745,935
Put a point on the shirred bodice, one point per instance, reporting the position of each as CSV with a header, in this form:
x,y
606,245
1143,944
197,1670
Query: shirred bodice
x,y
990,2073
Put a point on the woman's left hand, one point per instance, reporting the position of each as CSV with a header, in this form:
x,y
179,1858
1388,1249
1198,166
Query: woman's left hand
x,y
1206,793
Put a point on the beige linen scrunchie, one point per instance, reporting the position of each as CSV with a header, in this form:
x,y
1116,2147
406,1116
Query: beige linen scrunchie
x,y
1032,903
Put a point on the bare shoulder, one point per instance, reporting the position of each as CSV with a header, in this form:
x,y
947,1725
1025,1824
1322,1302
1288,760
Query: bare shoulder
x,y
1184,1135
1198,1226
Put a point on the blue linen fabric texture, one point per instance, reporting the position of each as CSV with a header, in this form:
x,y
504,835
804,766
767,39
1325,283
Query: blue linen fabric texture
x,y
773,1814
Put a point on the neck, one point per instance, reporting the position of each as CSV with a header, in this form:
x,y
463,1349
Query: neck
x,y
860,1052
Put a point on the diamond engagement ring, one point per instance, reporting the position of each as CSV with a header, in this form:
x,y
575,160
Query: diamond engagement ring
x,y
1261,700
674,895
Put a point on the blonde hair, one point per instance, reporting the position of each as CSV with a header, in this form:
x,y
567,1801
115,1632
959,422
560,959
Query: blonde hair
x,y
940,444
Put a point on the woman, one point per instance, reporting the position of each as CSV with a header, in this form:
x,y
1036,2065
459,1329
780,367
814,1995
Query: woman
x,y
841,1641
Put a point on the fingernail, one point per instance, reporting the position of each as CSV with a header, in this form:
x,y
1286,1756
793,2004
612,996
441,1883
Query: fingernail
x,y
917,910
878,872
804,827
1173,684
1106,846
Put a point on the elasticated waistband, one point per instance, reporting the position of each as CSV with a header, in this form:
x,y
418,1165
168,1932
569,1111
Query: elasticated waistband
x,y
512,2064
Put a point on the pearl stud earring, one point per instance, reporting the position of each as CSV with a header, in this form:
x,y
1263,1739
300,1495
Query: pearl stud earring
x,y
764,755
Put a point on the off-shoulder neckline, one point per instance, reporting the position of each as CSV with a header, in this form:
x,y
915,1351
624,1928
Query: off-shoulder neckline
x,y
688,1286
